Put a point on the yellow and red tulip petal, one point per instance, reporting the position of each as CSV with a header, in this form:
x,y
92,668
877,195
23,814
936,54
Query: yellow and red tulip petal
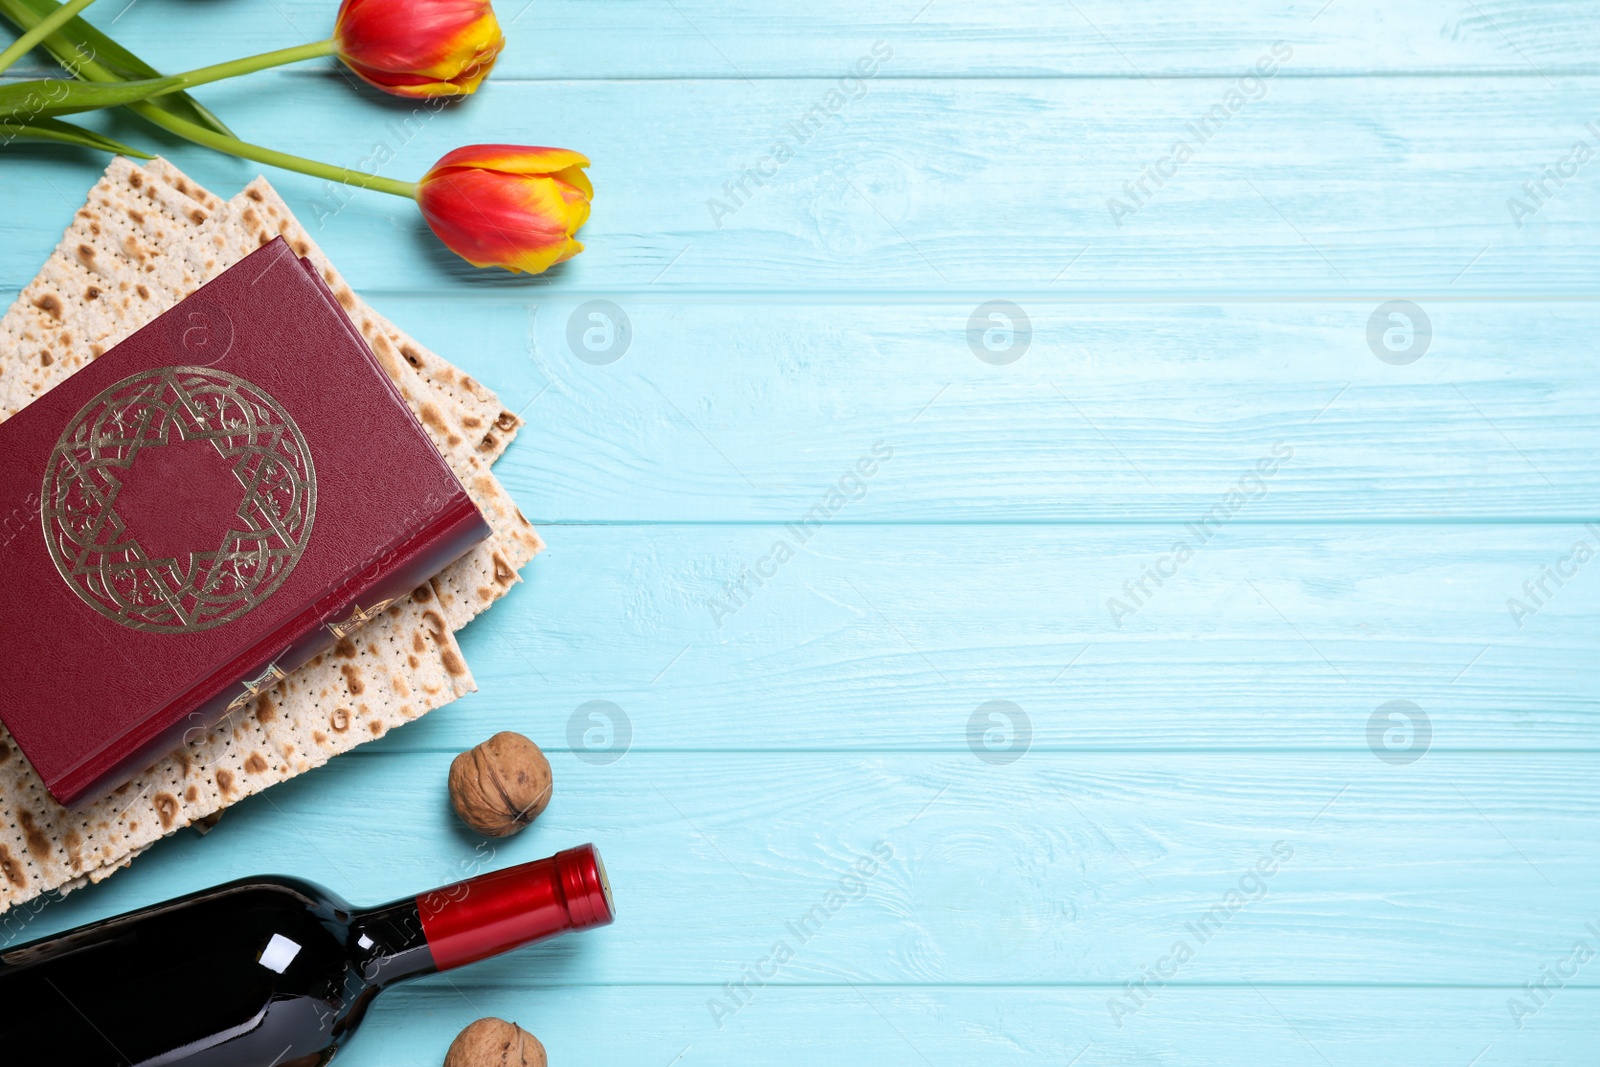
x,y
419,48
420,88
514,215
576,178
513,158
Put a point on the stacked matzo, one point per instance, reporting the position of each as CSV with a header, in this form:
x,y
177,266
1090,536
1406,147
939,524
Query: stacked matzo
x,y
147,238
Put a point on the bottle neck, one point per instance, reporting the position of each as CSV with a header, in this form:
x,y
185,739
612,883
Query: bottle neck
x,y
389,944
495,913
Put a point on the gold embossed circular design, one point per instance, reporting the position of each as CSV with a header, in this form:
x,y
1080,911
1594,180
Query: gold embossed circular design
x,y
102,559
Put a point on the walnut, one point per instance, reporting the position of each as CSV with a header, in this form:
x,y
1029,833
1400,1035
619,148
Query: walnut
x,y
495,1043
500,786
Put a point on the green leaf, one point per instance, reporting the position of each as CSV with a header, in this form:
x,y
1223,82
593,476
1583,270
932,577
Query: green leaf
x,y
24,101
106,59
63,133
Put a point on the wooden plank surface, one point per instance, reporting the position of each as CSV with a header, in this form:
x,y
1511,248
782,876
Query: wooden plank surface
x,y
912,1027
1379,660
1274,638
1113,413
628,39
1460,869
1400,191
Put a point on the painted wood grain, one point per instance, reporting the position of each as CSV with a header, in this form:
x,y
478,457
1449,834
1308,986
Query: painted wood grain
x,y
1385,188
1109,411
1462,869
1020,38
893,637
914,1027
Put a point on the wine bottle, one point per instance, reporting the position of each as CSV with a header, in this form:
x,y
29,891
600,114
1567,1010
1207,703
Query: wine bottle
x,y
267,972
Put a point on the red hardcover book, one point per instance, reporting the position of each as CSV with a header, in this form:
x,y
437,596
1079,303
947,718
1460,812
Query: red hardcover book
x,y
199,511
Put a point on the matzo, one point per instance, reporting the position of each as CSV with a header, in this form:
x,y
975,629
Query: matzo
x,y
148,237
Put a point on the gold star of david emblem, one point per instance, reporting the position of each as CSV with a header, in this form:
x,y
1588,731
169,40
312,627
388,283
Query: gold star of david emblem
x,y
150,558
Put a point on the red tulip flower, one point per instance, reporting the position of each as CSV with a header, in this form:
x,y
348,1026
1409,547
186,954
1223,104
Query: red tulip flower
x,y
419,48
508,206
495,205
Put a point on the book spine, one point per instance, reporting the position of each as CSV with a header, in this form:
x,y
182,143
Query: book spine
x,y
391,573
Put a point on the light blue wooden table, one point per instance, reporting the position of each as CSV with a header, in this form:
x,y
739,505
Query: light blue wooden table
x,y
1216,760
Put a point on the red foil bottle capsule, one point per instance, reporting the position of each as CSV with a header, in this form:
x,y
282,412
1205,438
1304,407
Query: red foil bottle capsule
x,y
494,913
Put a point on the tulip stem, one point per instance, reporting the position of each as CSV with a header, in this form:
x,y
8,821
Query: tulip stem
x,y
250,64
90,70
232,146
46,26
